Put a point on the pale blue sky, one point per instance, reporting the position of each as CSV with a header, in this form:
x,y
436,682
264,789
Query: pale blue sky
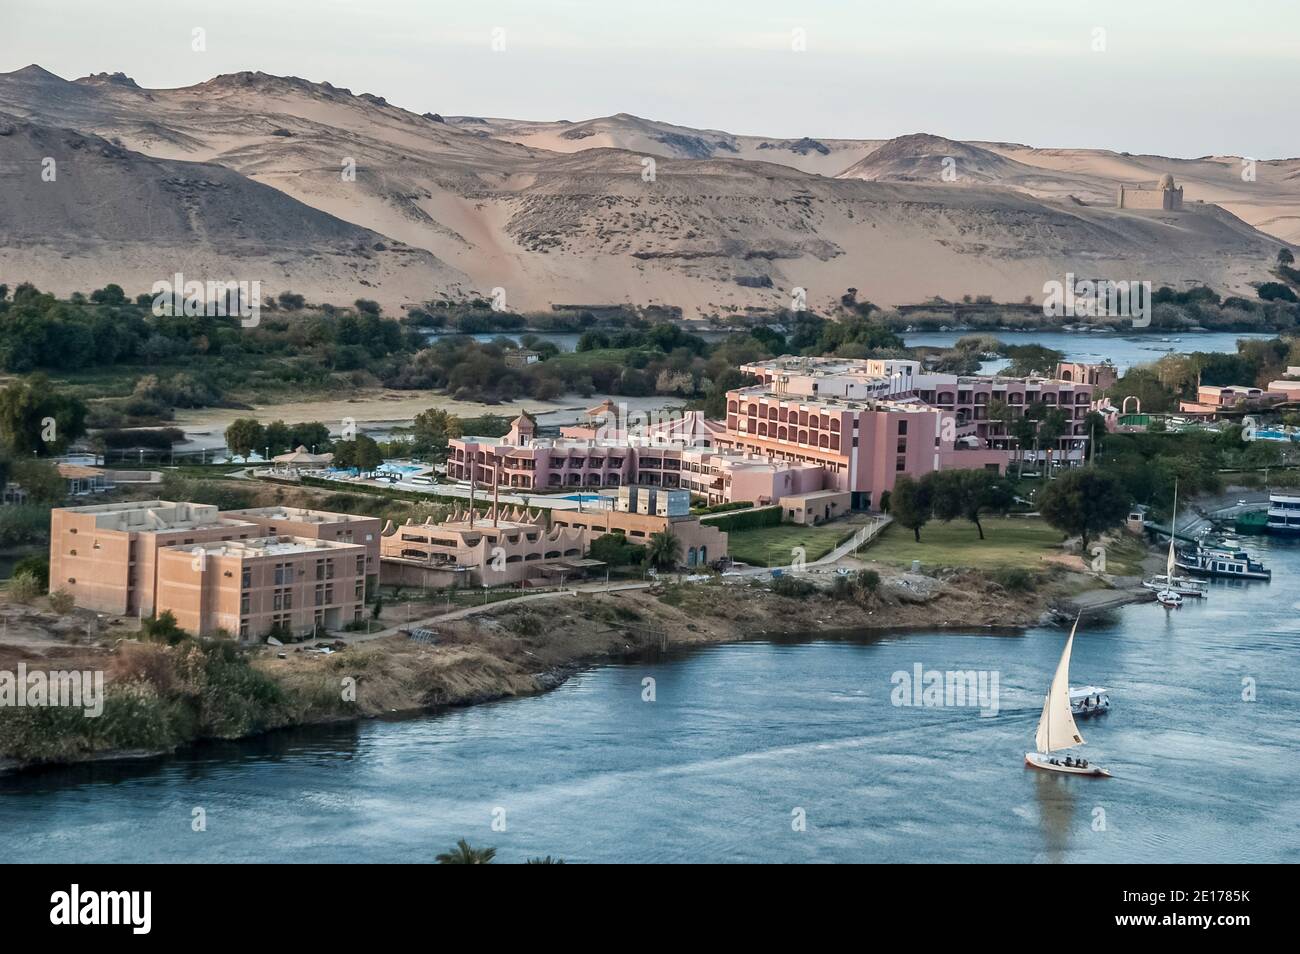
x,y
1177,77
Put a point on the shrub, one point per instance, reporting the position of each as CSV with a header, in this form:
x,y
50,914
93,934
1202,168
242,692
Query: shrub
x,y
793,587
744,519
61,602
24,588
38,565
1014,578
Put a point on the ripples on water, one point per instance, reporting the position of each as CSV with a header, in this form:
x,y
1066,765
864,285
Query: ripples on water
x,y
741,736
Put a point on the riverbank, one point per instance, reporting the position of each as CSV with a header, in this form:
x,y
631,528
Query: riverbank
x,y
161,698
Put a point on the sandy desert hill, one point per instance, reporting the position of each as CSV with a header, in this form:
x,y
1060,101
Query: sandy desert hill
x,y
566,212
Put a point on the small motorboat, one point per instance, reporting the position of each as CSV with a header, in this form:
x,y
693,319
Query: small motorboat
x,y
1056,728
1169,599
1089,701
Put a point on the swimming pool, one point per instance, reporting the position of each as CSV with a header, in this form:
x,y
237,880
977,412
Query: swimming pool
x,y
585,498
400,468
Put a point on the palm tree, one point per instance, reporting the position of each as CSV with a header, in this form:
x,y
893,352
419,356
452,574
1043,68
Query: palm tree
x,y
548,860
664,551
465,855
1052,428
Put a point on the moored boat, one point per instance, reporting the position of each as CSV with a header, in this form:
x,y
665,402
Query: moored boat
x,y
1168,595
1182,585
1220,561
1283,513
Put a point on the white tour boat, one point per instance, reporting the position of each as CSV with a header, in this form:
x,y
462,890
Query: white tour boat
x,y
1056,728
1089,700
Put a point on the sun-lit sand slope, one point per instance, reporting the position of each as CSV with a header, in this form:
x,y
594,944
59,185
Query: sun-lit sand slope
x,y
564,212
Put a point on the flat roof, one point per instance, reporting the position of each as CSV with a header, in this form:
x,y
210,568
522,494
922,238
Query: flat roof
x,y
816,495
154,516
297,514
265,546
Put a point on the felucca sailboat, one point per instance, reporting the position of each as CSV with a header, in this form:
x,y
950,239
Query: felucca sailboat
x,y
1056,728
1169,596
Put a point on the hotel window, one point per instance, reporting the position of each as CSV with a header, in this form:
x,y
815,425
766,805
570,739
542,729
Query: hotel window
x,y
246,577
243,630
320,569
288,599
360,592
900,464
361,564
277,602
902,427
243,606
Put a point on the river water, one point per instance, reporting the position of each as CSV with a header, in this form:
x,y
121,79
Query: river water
x,y
1124,350
742,738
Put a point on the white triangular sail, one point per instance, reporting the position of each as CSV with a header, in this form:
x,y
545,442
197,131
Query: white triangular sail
x,y
1173,529
1056,728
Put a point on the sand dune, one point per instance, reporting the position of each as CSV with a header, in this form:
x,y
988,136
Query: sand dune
x,y
568,213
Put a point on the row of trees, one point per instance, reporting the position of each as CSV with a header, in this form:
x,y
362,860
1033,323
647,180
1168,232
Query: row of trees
x,y
949,495
1084,502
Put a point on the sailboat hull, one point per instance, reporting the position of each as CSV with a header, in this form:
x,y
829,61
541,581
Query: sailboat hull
x,y
1038,761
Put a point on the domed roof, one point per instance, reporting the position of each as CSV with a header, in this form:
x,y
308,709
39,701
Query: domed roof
x,y
1166,182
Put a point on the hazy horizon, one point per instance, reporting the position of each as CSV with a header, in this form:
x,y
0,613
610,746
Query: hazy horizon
x,y
1174,79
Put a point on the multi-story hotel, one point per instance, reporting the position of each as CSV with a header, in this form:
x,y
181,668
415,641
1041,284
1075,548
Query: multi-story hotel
x,y
810,424
140,558
294,585
866,422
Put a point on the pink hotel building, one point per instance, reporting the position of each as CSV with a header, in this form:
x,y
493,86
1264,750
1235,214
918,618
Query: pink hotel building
x,y
868,421
810,424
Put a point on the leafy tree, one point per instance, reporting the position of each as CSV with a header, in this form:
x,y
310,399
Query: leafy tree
x,y
968,494
909,504
162,629
1084,502
1025,430
312,435
1032,359
1053,424
362,453
1284,257
245,435
664,550
613,550
40,479
463,854
36,418
432,431
278,438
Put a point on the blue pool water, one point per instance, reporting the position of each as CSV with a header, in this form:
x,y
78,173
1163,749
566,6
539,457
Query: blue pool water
x,y
400,468
585,498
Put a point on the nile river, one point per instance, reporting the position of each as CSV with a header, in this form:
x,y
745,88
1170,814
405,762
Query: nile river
x,y
743,740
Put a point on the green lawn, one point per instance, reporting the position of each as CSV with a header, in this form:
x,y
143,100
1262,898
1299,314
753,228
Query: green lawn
x,y
774,546
1009,541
